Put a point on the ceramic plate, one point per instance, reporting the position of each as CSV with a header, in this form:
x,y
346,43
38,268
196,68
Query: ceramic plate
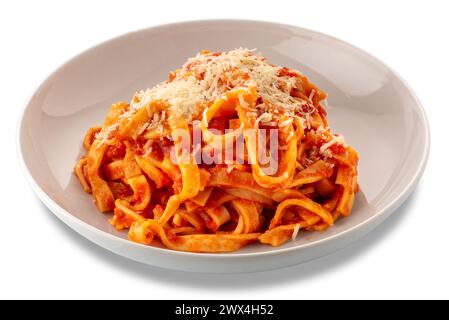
x,y
368,103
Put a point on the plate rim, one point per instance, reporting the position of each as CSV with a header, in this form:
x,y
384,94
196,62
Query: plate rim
x,y
60,212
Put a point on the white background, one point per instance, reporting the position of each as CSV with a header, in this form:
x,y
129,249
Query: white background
x,y
406,257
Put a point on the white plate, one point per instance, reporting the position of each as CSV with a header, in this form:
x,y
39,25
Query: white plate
x,y
370,105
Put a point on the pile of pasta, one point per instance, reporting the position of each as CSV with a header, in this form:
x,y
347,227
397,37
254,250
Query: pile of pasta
x,y
220,207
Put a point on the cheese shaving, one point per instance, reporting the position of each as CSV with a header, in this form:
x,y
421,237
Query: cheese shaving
x,y
264,118
336,139
295,231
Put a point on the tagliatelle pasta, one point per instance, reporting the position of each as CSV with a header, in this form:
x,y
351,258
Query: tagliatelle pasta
x,y
229,150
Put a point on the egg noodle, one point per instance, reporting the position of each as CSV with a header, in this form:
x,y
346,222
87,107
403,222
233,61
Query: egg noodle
x,y
228,151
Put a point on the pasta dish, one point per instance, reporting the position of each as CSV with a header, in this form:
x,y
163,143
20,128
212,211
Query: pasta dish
x,y
229,150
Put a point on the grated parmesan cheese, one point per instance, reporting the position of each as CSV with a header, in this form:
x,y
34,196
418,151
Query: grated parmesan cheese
x,y
229,168
143,128
336,139
104,135
295,231
285,122
264,118
242,102
182,95
312,94
186,89
207,77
